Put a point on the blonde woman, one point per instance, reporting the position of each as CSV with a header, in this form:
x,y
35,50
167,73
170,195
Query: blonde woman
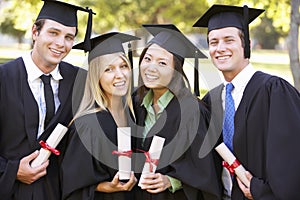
x,y
89,170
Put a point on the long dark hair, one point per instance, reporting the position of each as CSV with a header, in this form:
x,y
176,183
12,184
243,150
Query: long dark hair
x,y
179,85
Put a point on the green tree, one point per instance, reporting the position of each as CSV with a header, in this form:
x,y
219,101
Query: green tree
x,y
125,15
8,28
271,25
16,18
267,30
131,14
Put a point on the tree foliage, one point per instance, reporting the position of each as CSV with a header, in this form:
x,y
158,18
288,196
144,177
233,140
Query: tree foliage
x,y
119,15
271,25
124,15
131,14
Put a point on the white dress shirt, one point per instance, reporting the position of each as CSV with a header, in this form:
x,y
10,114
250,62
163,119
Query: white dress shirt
x,y
37,88
239,82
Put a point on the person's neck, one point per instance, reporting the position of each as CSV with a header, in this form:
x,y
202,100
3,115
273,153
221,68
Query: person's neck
x,y
116,108
230,75
157,93
44,67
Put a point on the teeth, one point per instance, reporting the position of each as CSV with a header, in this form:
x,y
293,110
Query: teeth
x,y
119,84
223,57
151,77
55,51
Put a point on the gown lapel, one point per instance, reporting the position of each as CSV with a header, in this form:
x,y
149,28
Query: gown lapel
x,y
31,113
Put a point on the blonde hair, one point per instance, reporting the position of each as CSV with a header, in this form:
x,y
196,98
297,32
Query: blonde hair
x,y
94,99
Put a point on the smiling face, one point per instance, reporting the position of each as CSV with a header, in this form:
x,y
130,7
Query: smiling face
x,y
157,68
115,79
51,44
226,51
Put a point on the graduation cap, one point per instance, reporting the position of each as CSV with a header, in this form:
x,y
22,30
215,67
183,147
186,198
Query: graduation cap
x,y
66,14
169,37
222,16
106,44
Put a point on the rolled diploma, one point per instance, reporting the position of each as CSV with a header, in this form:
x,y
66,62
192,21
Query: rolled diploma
x,y
53,140
154,151
124,144
227,155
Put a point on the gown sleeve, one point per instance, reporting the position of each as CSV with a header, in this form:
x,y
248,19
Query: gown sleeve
x,y
8,175
282,139
195,173
79,174
8,168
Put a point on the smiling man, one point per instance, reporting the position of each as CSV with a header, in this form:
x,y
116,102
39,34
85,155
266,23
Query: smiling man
x,y
262,127
35,95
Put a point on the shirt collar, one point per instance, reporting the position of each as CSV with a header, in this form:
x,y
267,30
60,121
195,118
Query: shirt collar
x,y
147,99
241,80
163,101
34,72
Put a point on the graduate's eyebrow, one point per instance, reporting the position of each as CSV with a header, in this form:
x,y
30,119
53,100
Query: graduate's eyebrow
x,y
59,30
159,58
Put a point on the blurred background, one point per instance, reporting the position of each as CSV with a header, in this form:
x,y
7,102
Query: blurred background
x,y
274,35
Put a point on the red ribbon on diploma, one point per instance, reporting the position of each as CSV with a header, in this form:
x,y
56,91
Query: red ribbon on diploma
x,y
150,160
44,145
123,153
231,167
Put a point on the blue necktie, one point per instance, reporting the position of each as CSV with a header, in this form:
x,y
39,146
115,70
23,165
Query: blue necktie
x,y
228,126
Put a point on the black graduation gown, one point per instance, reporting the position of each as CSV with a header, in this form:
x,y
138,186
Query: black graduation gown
x,y
18,130
183,124
89,160
266,137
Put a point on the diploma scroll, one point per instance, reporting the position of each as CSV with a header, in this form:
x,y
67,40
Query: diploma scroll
x,y
152,157
228,157
124,145
52,141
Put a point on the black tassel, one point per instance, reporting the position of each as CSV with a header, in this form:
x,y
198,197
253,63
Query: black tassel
x,y
130,54
246,32
196,75
87,42
130,57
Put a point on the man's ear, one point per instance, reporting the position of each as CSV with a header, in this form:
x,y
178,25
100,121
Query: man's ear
x,y
34,31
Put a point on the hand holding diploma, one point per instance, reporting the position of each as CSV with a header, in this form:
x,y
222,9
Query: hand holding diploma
x,y
26,174
232,164
152,157
246,190
116,185
49,146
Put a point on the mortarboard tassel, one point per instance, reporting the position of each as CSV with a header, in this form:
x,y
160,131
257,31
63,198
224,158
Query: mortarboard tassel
x,y
87,42
130,54
196,75
246,32
130,57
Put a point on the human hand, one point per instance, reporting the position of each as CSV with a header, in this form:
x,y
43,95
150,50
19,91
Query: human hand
x,y
116,185
26,173
245,189
155,183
